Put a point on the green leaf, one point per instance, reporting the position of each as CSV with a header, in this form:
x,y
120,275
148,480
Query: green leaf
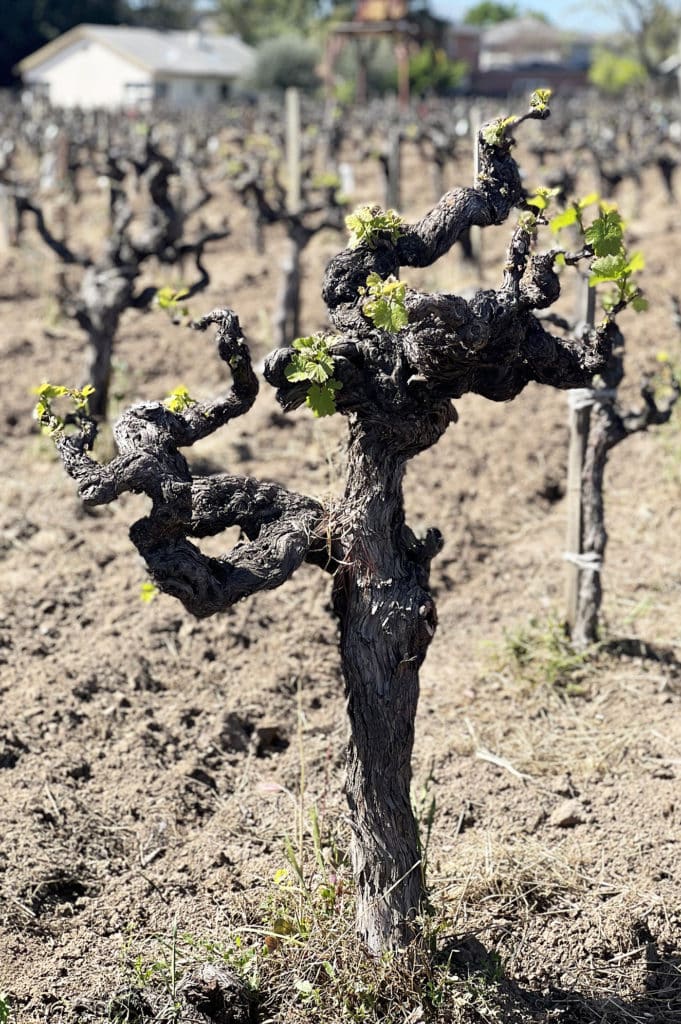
x,y
563,220
367,223
321,398
317,372
636,262
294,374
541,197
179,399
639,304
605,234
608,268
588,200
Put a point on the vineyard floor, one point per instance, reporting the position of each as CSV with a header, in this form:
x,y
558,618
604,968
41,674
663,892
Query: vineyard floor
x,y
148,762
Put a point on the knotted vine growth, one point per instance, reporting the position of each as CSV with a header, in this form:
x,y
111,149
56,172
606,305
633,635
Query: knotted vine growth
x,y
395,386
108,284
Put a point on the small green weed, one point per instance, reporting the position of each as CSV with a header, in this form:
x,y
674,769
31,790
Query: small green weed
x,y
5,1008
540,653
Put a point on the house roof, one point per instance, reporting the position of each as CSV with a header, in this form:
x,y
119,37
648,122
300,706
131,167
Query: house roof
x,y
521,32
161,52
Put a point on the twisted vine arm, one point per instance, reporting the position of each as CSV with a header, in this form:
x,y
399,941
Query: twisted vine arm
x,y
65,254
282,528
492,345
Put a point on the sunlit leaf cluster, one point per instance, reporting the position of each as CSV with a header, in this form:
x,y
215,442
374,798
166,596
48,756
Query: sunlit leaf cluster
x,y
313,362
539,100
49,420
367,223
170,299
494,133
179,399
385,306
612,263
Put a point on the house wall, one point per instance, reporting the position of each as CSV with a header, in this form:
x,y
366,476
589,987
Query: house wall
x,y
463,46
522,81
190,92
87,74
492,60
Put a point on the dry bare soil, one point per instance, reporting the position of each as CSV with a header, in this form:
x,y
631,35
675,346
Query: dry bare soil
x,y
150,763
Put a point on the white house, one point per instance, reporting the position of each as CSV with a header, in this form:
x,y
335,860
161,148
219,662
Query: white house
x,y
117,66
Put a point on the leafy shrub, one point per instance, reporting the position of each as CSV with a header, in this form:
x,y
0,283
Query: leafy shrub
x,y
378,58
431,71
613,73
286,61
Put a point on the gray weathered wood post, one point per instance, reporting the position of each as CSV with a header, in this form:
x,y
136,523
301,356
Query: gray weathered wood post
x,y
393,199
293,150
579,416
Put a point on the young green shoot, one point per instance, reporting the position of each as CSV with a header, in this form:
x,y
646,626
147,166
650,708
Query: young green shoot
x,y
539,100
50,422
612,263
541,198
179,399
385,306
169,299
313,362
494,133
367,224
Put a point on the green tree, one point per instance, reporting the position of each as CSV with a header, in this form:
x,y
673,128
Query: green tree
x,y
431,71
164,14
287,60
653,26
29,24
489,13
612,73
257,20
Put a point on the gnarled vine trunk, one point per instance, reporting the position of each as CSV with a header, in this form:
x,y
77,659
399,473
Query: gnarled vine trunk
x,y
387,620
395,386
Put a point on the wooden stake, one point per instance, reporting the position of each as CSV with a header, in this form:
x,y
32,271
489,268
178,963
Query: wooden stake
x,y
579,421
293,196
475,232
394,189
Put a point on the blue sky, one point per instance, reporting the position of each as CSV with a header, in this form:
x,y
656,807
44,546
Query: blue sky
x,y
570,14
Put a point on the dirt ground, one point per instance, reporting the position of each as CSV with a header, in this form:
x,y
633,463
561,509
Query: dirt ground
x,y
141,751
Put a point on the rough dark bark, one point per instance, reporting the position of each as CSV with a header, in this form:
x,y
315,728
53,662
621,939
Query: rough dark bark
x,y
387,620
396,393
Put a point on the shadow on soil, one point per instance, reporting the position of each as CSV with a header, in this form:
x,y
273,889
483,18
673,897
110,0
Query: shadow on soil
x,y
658,1003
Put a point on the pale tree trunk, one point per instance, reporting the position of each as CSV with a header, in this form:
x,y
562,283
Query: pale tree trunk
x,y
104,294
